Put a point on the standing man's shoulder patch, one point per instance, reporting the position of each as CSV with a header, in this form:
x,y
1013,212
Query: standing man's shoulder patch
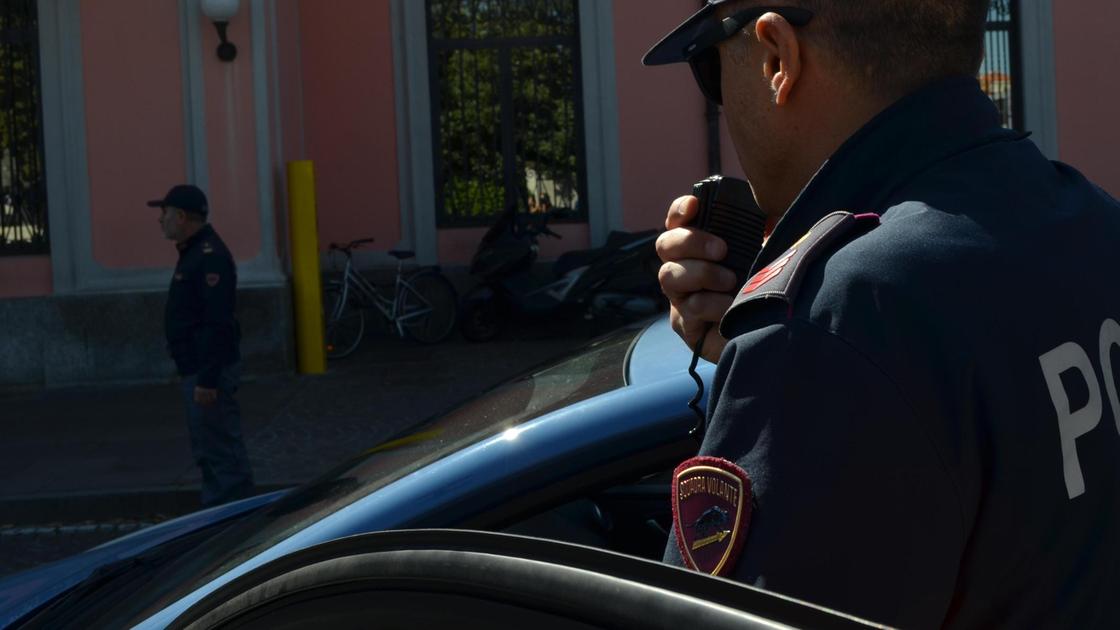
x,y
711,513
212,279
207,248
782,278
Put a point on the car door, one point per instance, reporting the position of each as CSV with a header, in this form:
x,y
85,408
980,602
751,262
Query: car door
x,y
462,578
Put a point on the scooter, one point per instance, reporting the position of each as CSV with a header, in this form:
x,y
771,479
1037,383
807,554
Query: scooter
x,y
618,280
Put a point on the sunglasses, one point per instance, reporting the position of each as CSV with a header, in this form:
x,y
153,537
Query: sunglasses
x,y
705,63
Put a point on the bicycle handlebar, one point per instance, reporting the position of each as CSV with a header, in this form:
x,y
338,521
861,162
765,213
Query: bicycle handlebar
x,y
351,245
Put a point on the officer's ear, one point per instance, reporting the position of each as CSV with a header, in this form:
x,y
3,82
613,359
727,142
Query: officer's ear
x,y
781,55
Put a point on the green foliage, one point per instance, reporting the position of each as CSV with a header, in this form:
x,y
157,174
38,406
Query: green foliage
x,y
23,222
484,19
473,198
540,108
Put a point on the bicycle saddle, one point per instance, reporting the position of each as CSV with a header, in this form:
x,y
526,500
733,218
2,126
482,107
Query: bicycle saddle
x,y
402,254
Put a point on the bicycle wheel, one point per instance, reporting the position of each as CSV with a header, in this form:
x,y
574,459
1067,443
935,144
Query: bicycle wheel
x,y
428,305
344,324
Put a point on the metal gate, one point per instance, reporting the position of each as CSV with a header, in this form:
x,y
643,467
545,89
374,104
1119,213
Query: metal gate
x,y
23,192
506,109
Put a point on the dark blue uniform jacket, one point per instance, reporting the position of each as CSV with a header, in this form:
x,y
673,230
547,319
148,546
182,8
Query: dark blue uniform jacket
x,y
202,332
931,423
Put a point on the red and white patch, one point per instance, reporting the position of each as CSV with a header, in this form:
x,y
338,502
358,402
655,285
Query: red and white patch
x,y
711,513
769,272
212,279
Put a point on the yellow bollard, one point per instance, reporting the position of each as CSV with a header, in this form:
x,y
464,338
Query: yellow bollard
x,y
311,354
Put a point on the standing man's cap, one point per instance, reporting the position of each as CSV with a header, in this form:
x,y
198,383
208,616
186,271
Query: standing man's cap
x,y
681,43
185,197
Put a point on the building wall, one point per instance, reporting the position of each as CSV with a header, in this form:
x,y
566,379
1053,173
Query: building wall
x,y
25,276
663,131
231,137
134,126
349,119
287,111
136,135
1088,88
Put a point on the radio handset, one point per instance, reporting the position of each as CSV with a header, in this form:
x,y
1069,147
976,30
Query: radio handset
x,y
728,210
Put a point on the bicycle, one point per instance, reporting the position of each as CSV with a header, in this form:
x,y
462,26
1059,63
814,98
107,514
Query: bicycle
x,y
424,305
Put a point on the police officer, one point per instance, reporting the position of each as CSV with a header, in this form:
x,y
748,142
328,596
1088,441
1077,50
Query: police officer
x,y
203,338
914,416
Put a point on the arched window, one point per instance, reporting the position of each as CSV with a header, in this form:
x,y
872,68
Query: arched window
x,y
507,114
23,196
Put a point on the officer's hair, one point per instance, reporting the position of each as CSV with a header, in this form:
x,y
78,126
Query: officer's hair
x,y
896,46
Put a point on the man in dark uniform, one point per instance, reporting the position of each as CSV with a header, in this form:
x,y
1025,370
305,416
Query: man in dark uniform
x,y
203,338
915,415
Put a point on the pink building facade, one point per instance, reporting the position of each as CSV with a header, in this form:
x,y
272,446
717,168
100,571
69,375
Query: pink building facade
x,y
134,99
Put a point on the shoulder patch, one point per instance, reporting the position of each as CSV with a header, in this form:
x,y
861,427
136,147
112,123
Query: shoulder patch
x,y
207,248
711,513
782,278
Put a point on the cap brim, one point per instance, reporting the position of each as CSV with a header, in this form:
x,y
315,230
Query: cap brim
x,y
675,47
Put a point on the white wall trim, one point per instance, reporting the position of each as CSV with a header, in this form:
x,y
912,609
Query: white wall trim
x,y
279,171
600,119
416,170
1039,84
267,263
53,64
194,94
401,105
64,133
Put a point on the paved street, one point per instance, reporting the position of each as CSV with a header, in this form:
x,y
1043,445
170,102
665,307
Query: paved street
x,y
78,467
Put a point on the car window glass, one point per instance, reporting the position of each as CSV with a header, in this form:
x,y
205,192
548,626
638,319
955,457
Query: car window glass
x,y
597,369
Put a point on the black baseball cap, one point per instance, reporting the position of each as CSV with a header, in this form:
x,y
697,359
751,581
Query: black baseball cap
x,y
681,43
186,197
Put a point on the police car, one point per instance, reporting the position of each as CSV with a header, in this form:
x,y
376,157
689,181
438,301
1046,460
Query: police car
x,y
542,503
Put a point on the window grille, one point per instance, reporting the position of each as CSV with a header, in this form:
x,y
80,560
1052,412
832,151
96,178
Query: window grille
x,y
1000,74
507,118
23,197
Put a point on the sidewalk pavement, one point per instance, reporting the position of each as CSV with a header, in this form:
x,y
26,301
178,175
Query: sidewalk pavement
x,y
83,455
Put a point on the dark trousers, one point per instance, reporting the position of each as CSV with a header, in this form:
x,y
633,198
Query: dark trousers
x,y
216,440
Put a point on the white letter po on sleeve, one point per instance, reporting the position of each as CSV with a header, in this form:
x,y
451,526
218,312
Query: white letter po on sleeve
x,y
1072,424
1110,336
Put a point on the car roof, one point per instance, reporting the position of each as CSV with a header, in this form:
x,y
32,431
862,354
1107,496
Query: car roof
x,y
658,354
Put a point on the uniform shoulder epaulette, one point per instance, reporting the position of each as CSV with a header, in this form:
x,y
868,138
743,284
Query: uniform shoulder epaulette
x,y
781,279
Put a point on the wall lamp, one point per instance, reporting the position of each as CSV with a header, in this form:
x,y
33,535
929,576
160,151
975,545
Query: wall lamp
x,y
220,12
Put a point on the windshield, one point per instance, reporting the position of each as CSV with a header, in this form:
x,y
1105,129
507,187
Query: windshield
x,y
597,369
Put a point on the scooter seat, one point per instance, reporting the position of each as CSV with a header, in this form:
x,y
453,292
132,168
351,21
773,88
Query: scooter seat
x,y
575,259
400,254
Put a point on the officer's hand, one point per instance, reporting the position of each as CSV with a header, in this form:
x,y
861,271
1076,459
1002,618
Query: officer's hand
x,y
205,396
699,290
